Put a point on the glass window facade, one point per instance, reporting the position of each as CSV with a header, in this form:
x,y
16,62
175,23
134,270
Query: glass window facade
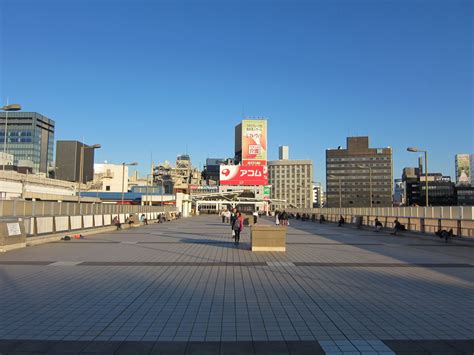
x,y
30,136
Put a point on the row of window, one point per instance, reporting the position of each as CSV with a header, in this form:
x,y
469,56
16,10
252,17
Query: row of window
x,y
365,183
373,166
360,159
358,189
357,171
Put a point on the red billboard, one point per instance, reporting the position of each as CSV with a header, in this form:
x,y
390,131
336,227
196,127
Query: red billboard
x,y
243,175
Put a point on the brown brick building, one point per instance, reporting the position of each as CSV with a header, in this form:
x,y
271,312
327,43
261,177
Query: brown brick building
x,y
353,173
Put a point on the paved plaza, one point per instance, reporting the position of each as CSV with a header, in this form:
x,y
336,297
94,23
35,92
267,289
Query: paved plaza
x,y
182,287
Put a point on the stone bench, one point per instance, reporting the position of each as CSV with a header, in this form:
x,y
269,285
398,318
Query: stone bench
x,y
267,238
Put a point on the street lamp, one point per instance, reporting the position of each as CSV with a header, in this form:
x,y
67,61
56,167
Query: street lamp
x,y
370,182
123,175
7,108
340,189
81,165
416,150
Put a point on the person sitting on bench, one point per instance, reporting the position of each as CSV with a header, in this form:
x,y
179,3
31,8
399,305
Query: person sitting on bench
x,y
341,221
398,227
443,233
378,225
116,222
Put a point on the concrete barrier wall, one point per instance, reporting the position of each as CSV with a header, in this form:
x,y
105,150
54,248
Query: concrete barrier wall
x,y
76,222
107,220
29,225
44,225
88,221
19,208
62,223
418,219
98,220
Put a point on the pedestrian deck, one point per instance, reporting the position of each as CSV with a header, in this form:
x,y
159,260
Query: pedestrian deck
x,y
183,287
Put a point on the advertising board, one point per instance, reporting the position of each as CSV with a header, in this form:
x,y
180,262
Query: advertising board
x,y
462,169
243,175
254,142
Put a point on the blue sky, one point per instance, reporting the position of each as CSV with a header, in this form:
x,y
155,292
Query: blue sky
x,y
166,77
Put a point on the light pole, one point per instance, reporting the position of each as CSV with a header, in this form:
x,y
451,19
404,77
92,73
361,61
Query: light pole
x,y
7,108
81,166
151,183
123,175
416,150
340,189
370,182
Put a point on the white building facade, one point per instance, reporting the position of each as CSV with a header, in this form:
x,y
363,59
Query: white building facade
x,y
110,177
291,180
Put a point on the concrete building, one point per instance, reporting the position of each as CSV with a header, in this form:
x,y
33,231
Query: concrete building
x,y
291,180
283,152
180,178
6,159
109,177
15,185
399,194
30,137
68,161
212,169
352,173
318,196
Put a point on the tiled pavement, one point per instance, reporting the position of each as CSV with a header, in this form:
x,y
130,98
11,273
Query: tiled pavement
x,y
182,287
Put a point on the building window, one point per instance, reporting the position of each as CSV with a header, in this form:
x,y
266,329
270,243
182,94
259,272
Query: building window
x,y
107,188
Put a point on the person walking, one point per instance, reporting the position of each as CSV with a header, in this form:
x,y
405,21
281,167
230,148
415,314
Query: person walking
x,y
223,215
255,217
237,227
284,218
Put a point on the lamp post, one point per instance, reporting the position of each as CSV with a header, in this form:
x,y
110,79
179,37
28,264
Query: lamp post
x,y
7,108
123,175
146,190
340,189
81,166
370,182
416,150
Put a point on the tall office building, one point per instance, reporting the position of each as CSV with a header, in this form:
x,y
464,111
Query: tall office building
x,y
30,136
284,152
353,172
291,180
68,161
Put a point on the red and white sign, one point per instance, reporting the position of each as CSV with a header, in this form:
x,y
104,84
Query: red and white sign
x,y
243,175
